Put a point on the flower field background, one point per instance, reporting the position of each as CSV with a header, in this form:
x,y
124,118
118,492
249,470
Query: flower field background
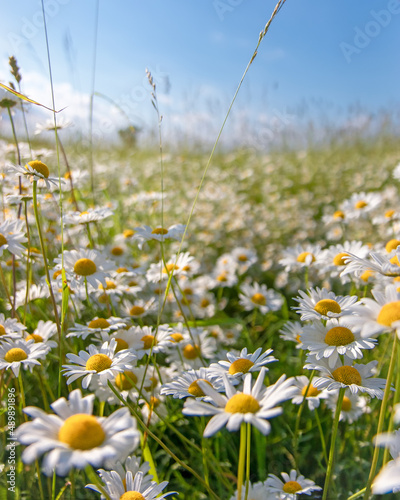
x,y
235,338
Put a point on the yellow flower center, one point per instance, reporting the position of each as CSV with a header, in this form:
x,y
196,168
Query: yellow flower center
x,y
121,345
389,214
34,250
110,285
3,240
125,381
35,337
339,335
136,310
312,391
128,233
389,313
204,303
392,245
98,362
327,305
153,403
132,495
259,299
360,204
82,432
177,337
395,261
222,277
122,270
39,167
188,291
303,256
241,365
169,268
347,375
195,390
346,405
15,354
339,259
148,341
85,267
2,330
153,384
366,275
99,323
191,351
291,487
56,274
242,403
242,258
117,251
159,230
338,214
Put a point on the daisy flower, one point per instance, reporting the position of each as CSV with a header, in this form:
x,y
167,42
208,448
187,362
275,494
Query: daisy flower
x,y
257,296
300,256
386,265
358,378
379,315
127,384
361,204
254,405
37,171
15,353
186,384
242,363
139,307
87,216
333,339
323,304
103,363
131,487
11,237
292,331
333,259
193,349
149,340
388,479
244,257
146,233
43,333
257,491
85,265
10,327
308,391
74,438
291,486
353,406
96,326
177,266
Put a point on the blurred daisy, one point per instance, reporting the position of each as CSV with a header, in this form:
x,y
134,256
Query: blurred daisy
x,y
333,339
257,491
361,204
242,363
176,266
10,327
87,216
291,486
388,479
193,350
323,304
257,296
150,340
96,326
333,259
74,438
48,125
254,405
244,257
139,307
386,265
146,233
292,331
11,237
44,331
358,378
353,406
131,487
100,362
15,353
300,256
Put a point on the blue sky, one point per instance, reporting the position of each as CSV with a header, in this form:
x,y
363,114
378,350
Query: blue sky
x,y
319,58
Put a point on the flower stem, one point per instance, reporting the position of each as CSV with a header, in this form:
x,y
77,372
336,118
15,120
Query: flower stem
x,y
321,433
248,448
333,442
242,460
382,417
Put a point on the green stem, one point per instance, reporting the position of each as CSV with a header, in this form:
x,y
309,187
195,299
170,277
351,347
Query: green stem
x,y
321,433
396,397
21,393
382,415
248,448
242,460
333,442
39,479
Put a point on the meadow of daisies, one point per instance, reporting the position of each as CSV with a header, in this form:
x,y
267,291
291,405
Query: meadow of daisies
x,y
233,341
